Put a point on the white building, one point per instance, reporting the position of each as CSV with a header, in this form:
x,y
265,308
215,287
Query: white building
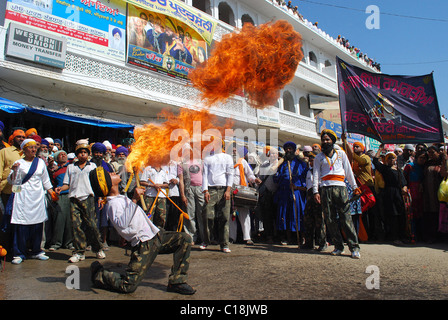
x,y
92,86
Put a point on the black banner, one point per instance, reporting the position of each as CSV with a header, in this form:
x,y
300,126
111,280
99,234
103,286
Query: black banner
x,y
390,109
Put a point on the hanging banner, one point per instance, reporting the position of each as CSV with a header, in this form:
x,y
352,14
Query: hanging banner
x,y
390,109
93,27
161,43
190,16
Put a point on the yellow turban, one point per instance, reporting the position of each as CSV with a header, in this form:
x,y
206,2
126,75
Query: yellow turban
x,y
330,133
389,155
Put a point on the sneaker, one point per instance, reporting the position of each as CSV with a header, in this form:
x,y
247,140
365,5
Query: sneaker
x,y
226,250
321,248
101,255
337,252
16,260
181,288
203,246
356,255
41,256
76,258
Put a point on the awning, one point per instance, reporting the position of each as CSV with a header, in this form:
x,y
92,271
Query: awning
x,y
14,107
11,106
82,120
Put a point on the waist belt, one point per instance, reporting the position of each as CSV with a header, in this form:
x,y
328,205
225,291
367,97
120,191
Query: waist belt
x,y
217,187
334,177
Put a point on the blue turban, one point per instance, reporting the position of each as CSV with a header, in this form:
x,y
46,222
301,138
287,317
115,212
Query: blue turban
x,y
290,144
58,141
45,142
115,30
122,150
242,151
2,126
99,147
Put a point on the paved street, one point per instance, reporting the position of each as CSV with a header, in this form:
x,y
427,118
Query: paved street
x,y
260,272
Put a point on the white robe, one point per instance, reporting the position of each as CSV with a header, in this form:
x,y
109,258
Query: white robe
x,y
30,204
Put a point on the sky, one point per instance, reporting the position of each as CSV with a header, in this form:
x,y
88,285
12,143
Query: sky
x,y
411,38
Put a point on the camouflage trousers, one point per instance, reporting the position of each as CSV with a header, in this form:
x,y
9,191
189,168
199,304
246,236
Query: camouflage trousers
x,y
85,229
336,208
313,220
218,208
158,215
142,257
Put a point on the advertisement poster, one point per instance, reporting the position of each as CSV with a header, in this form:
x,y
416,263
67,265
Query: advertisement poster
x,y
90,26
167,37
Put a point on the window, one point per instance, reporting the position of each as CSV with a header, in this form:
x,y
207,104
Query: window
x,y
329,69
203,5
226,14
288,102
247,19
304,107
313,59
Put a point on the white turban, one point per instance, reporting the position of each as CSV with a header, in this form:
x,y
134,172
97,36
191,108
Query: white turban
x,y
107,144
27,142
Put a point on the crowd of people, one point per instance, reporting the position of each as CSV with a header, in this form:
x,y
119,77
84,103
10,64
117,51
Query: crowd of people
x,y
342,41
311,196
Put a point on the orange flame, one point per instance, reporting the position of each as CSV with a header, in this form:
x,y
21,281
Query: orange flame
x,y
156,144
258,60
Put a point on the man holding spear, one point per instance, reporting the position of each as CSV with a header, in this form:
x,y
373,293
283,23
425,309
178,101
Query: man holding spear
x,y
291,192
331,169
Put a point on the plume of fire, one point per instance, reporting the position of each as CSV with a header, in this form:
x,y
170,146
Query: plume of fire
x,y
156,144
259,61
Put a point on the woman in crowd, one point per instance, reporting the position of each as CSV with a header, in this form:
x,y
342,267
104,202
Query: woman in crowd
x,y
395,185
432,177
413,173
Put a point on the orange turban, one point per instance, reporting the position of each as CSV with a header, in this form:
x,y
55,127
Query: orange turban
x,y
16,133
30,132
360,145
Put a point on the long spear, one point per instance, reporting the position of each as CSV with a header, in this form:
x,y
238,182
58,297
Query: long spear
x,y
294,203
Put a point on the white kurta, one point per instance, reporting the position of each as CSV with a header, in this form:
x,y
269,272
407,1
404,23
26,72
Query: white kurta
x,y
29,205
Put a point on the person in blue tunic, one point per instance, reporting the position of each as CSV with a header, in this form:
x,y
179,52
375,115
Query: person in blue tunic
x,y
291,180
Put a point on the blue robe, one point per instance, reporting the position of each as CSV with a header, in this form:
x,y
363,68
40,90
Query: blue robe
x,y
286,217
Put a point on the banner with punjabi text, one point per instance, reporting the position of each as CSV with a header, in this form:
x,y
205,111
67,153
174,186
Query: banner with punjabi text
x,y
194,18
388,108
163,44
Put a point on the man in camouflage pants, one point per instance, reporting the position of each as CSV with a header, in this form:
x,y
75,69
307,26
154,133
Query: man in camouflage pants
x,y
331,169
146,239
82,204
142,257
